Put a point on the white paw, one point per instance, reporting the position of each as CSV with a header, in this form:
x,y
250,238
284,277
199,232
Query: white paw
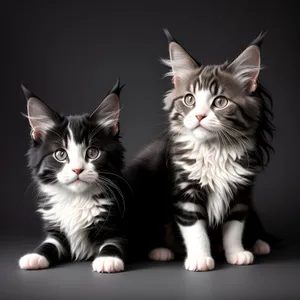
x,y
161,254
33,261
240,258
108,264
195,264
261,248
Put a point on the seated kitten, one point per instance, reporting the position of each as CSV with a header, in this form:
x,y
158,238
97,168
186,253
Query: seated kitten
x,y
76,162
194,186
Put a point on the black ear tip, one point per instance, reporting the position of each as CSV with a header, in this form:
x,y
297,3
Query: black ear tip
x,y
170,38
122,86
259,38
117,88
23,87
26,92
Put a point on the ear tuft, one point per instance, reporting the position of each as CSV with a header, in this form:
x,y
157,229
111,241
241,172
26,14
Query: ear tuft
x,y
259,39
107,114
117,88
28,94
168,35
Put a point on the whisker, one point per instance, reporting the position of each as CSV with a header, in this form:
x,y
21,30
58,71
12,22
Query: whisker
x,y
110,185
119,176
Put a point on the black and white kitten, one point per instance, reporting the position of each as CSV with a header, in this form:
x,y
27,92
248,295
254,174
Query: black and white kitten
x,y
197,181
76,162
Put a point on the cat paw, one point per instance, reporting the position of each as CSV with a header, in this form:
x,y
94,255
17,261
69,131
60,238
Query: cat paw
x,y
161,254
33,261
108,264
261,248
196,264
240,258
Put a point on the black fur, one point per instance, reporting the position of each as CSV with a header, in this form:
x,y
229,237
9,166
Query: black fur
x,y
152,175
86,130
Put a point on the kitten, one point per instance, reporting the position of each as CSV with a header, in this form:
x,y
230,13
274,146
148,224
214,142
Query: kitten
x,y
76,162
195,184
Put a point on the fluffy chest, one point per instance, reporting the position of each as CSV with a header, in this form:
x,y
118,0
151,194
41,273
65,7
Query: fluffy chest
x,y
216,169
74,215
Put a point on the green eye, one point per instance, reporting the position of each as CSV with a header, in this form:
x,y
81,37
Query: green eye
x,y
189,100
220,102
60,155
92,153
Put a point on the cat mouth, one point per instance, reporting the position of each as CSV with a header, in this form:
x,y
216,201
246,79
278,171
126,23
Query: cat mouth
x,y
201,127
77,181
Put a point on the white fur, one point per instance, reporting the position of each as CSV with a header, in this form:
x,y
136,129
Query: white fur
x,y
240,258
108,264
232,243
33,261
215,167
109,120
73,212
197,247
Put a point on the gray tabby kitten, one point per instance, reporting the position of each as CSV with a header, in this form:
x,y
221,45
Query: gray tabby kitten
x,y
215,118
217,143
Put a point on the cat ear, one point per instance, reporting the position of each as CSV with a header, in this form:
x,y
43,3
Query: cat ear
x,y
247,65
107,114
41,117
181,62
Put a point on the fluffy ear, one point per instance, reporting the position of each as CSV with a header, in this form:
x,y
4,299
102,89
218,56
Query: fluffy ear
x,y
247,65
41,117
181,62
107,114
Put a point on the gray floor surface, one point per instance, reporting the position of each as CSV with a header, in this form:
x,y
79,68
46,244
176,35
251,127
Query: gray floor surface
x,y
276,276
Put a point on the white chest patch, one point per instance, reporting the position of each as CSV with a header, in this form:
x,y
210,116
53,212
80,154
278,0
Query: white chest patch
x,y
73,214
216,168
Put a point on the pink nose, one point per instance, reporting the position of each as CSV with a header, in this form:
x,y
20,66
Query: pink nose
x,y
200,117
77,171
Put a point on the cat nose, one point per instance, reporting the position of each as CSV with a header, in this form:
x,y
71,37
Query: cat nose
x,y
77,171
200,117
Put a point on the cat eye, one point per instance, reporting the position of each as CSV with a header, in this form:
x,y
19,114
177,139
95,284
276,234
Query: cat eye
x,y
220,102
60,155
189,100
92,153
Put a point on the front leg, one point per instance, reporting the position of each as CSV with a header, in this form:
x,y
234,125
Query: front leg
x,y
191,219
50,252
232,237
110,258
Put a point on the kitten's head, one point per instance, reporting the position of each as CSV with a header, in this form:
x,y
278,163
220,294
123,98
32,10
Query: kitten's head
x,y
222,102
73,153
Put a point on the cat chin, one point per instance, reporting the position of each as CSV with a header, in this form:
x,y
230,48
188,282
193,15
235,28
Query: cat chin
x,y
202,134
78,187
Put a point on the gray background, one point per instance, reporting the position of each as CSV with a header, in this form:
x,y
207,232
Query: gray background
x,y
70,53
